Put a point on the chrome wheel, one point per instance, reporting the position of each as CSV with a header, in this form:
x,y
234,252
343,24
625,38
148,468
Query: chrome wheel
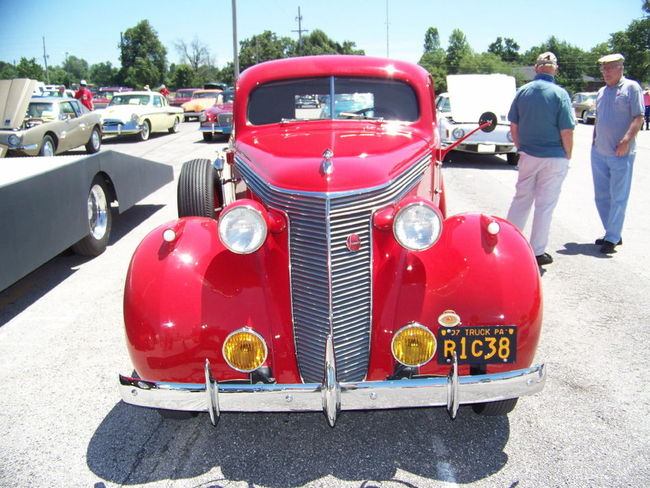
x,y
97,212
146,130
47,148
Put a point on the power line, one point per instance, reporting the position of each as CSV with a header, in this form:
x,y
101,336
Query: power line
x,y
300,29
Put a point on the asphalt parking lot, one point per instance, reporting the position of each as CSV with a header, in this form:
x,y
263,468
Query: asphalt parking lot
x,y
62,346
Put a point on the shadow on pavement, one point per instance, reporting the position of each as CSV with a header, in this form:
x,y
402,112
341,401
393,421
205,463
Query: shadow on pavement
x,y
456,159
26,291
586,249
136,446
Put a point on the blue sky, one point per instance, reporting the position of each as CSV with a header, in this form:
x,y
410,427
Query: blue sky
x,y
91,29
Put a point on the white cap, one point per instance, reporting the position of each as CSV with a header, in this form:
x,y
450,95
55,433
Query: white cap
x,y
82,82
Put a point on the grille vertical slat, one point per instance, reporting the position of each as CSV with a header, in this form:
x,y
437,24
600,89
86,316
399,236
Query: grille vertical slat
x,y
331,289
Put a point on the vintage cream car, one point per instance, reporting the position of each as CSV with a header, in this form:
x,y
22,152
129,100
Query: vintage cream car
x,y
201,99
44,126
140,113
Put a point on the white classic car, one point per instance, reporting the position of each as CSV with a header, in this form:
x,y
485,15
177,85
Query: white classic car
x,y
467,98
141,113
44,126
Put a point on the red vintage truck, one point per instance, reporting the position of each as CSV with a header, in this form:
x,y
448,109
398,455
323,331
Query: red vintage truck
x,y
315,266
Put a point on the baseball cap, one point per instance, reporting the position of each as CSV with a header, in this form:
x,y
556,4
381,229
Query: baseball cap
x,y
82,82
546,58
612,58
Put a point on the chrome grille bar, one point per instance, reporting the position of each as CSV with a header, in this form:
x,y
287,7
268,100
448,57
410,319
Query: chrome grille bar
x,y
331,287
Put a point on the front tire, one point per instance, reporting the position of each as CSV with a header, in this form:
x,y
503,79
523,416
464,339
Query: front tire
x,y
207,137
196,189
48,148
95,142
100,220
495,409
145,132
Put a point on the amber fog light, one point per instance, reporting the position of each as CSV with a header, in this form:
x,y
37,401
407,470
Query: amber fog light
x,y
244,350
413,345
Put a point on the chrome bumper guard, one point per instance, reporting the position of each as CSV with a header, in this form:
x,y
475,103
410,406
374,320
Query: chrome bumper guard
x,y
330,396
118,128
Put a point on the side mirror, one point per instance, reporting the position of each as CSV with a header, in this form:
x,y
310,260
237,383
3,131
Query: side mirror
x,y
487,121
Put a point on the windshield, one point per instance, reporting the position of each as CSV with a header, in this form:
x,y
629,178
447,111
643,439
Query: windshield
x,y
40,110
130,100
333,98
205,94
184,93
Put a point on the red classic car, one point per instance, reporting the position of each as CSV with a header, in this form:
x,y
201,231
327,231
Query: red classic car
x,y
314,267
217,119
182,95
105,94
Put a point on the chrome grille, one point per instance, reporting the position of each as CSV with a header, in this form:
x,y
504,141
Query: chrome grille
x,y
331,287
224,119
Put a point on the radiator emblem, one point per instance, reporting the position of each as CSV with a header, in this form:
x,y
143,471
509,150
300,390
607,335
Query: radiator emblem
x,y
353,242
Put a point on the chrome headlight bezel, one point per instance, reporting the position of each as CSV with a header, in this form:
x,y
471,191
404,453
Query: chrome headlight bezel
x,y
458,133
134,117
411,222
14,140
242,229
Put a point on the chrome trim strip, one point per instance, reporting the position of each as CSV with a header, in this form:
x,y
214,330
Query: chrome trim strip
x,y
370,395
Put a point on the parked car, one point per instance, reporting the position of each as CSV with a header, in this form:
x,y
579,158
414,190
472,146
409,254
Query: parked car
x,y
584,106
140,113
103,96
44,126
315,268
217,119
201,99
459,109
181,96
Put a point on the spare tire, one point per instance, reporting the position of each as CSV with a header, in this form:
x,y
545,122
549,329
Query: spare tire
x,y
196,189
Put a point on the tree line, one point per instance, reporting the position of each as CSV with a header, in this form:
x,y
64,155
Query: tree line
x,y
143,58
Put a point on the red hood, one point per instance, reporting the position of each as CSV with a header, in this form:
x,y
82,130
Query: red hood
x,y
365,155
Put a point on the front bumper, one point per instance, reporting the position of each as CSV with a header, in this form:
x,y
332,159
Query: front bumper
x,y
483,147
119,128
330,396
215,128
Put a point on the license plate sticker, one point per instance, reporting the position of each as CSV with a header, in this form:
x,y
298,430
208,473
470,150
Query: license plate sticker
x,y
478,345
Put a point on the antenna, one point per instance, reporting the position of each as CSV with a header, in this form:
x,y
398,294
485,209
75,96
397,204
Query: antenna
x,y
300,30
387,39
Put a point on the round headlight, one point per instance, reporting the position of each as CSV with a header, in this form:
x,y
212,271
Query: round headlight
x,y
202,117
509,136
242,229
13,140
134,117
413,345
458,133
244,350
417,226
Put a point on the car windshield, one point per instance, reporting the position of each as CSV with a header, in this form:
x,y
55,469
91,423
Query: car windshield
x,y
40,110
184,93
591,97
333,98
227,96
205,95
130,100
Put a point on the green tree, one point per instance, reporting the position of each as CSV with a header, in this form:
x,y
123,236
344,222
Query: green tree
x,y
264,47
572,61
433,59
506,49
143,57
319,43
103,74
634,44
76,68
483,63
457,49
29,68
7,71
183,76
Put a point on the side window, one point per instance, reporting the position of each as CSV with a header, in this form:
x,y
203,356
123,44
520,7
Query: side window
x,y
157,101
68,111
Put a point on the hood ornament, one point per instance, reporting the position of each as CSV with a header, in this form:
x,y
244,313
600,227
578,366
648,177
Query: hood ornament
x,y
326,166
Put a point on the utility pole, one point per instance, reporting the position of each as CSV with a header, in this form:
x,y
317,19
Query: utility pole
x,y
45,56
299,31
234,39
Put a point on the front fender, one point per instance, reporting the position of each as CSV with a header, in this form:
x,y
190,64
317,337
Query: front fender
x,y
486,280
183,298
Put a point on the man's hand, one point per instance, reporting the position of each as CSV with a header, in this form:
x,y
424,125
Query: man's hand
x,y
622,148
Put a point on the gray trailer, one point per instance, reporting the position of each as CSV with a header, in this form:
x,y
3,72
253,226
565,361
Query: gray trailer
x,y
49,204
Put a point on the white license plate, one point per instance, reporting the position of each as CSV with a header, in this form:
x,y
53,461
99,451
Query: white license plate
x,y
486,148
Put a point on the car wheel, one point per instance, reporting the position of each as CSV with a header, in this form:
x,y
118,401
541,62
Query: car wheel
x,y
512,158
174,128
100,220
48,148
198,189
494,409
145,132
207,137
95,142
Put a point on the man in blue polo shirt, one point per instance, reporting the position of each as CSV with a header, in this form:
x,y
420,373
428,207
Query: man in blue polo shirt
x,y
541,123
619,116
